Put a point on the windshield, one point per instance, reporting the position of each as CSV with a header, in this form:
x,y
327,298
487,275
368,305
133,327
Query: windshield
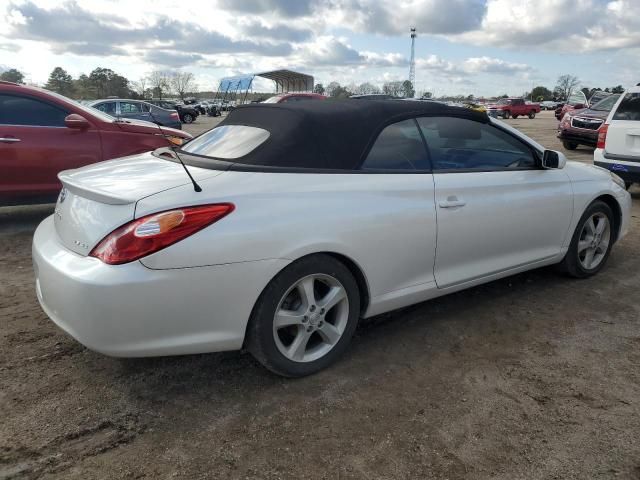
x,y
227,141
275,99
504,101
606,104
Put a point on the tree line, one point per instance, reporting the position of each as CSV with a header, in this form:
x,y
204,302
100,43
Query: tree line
x,y
565,86
104,82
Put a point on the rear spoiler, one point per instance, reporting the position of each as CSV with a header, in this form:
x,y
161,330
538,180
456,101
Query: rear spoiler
x,y
92,193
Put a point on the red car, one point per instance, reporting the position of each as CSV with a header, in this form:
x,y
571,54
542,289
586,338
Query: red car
x,y
43,133
294,97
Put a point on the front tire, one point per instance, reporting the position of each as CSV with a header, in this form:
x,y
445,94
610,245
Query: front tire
x,y
532,115
506,115
591,242
305,318
188,118
570,145
515,117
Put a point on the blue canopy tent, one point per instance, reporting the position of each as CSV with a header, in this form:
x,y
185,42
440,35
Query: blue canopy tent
x,y
285,80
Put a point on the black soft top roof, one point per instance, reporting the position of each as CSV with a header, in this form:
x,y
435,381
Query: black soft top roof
x,y
333,135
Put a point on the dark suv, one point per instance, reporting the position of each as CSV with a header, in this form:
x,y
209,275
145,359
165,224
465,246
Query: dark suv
x,y
187,113
581,127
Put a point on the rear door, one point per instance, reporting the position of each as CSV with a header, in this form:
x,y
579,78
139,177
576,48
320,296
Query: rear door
x,y
36,145
136,110
623,135
496,210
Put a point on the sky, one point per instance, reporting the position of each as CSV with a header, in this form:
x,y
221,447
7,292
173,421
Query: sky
x,y
479,47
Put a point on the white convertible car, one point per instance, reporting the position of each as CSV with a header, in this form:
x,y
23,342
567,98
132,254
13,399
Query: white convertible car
x,y
282,227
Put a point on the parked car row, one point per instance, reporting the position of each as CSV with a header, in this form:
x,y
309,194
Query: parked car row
x,y
43,133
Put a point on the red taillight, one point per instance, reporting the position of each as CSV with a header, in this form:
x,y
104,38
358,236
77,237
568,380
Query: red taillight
x,y
602,135
154,232
174,115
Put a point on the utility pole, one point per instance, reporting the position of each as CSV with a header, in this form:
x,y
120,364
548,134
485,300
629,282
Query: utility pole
x,y
412,62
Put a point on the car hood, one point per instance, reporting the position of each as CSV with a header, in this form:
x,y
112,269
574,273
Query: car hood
x,y
140,126
581,172
587,112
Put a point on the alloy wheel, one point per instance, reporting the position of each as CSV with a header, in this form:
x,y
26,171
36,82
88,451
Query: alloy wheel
x,y
311,318
594,241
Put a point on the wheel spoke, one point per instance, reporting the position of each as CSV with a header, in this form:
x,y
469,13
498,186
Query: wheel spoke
x,y
299,345
329,333
602,224
602,247
285,318
305,287
590,226
332,298
583,245
588,258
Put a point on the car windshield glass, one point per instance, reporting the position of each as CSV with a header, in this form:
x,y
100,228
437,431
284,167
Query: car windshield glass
x,y
227,141
275,99
606,104
504,101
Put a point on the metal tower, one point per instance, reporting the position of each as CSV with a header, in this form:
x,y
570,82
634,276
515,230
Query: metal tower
x,y
412,62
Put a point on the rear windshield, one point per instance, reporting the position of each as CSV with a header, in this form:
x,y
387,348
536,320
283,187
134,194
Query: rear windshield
x,y
606,104
275,99
227,141
629,108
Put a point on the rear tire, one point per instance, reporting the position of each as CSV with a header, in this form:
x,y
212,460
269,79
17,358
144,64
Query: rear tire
x,y
570,145
515,116
506,115
591,242
187,118
305,317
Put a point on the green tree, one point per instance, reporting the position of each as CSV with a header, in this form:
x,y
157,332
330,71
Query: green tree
x,y
407,89
12,75
319,88
60,81
541,93
107,83
618,89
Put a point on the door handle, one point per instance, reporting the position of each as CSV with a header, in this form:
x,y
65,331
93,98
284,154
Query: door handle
x,y
451,202
9,139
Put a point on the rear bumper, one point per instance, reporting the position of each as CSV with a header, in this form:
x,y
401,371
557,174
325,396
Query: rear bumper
x,y
132,311
627,170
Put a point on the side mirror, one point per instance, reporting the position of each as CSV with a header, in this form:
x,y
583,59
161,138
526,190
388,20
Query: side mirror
x,y
552,159
76,121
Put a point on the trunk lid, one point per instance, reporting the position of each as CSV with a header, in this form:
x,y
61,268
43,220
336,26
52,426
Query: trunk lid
x,y
99,198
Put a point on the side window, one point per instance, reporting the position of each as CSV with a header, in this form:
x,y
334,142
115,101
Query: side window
x,y
398,147
462,144
18,110
130,107
144,107
107,107
629,108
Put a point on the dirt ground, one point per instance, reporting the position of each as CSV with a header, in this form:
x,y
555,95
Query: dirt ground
x,y
532,377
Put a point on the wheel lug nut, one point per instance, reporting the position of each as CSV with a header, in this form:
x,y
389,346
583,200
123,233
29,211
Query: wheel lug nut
x,y
304,319
313,307
322,310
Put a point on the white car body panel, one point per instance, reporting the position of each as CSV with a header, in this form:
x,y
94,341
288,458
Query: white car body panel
x,y
499,226
197,295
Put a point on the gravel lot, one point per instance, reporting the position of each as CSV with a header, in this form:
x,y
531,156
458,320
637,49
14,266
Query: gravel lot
x,y
531,377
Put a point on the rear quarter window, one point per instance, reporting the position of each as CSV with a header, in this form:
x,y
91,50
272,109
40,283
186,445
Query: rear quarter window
x,y
629,108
